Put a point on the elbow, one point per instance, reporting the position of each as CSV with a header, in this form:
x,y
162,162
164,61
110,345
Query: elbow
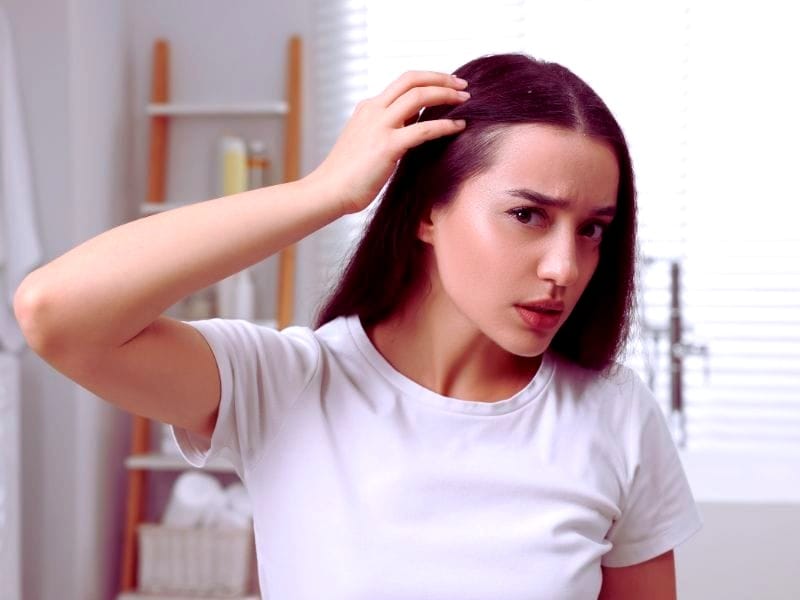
x,y
30,308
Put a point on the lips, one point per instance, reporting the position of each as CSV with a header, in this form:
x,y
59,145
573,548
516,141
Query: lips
x,y
544,305
542,315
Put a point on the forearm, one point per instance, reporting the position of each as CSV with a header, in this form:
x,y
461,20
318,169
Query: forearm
x,y
108,289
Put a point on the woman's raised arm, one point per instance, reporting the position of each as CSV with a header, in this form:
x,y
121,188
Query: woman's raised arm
x,y
102,294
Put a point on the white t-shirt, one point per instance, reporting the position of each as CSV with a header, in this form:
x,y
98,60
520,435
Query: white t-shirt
x,y
367,486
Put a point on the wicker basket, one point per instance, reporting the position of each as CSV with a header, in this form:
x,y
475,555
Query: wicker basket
x,y
198,561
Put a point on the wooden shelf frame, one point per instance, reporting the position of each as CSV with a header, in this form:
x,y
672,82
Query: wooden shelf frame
x,y
160,111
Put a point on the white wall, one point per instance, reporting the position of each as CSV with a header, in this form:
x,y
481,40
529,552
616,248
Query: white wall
x,y
745,551
69,54
750,504
83,77
48,411
99,124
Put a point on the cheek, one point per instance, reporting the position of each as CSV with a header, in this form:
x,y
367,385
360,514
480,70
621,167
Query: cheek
x,y
587,268
473,254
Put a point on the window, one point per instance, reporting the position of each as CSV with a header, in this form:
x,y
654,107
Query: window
x,y
712,132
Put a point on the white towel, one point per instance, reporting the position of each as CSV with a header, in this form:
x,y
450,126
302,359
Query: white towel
x,y
193,498
20,247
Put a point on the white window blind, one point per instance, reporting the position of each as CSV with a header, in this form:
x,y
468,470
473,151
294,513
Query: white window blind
x,y
743,279
338,82
437,36
705,96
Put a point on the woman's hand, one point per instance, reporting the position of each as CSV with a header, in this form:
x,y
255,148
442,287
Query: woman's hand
x,y
376,136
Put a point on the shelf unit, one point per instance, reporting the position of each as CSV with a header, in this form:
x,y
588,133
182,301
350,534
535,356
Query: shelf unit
x,y
160,111
264,109
155,461
136,596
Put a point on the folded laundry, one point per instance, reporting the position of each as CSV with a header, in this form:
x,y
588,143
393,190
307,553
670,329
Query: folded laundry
x,y
193,494
198,500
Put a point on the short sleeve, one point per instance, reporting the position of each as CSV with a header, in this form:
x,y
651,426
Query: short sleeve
x,y
658,511
262,372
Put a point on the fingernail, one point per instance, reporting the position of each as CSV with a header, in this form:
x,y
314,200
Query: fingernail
x,y
460,82
463,94
459,122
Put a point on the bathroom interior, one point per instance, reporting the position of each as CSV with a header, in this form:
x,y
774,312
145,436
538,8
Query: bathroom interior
x,y
703,90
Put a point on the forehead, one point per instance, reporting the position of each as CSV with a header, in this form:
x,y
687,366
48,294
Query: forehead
x,y
555,161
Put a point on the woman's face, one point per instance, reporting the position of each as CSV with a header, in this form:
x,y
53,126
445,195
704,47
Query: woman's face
x,y
517,246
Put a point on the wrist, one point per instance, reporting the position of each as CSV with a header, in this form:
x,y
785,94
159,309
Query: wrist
x,y
324,190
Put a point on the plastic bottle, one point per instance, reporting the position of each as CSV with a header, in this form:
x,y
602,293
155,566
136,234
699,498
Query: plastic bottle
x,y
245,296
233,156
235,294
257,165
200,305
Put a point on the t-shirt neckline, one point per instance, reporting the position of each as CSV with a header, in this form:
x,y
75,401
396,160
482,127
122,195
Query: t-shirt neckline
x,y
535,387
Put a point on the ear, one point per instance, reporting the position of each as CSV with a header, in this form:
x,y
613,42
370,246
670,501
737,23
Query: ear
x,y
426,227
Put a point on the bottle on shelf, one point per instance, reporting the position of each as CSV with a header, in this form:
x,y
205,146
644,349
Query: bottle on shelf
x,y
245,296
258,165
235,295
200,305
233,156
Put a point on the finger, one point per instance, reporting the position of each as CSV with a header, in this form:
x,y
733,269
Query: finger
x,y
416,134
412,119
408,106
411,79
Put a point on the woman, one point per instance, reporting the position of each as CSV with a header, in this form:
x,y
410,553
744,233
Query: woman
x,y
456,426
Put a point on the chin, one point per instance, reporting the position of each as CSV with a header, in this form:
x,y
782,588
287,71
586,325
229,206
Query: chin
x,y
527,345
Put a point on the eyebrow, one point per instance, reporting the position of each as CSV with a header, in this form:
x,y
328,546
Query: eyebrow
x,y
545,200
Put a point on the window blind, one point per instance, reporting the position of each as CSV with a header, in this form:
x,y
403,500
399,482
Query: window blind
x,y
708,115
743,283
338,82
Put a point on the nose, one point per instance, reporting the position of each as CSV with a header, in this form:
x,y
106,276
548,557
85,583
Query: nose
x,y
559,261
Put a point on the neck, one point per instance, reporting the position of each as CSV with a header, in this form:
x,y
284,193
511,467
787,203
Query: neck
x,y
431,342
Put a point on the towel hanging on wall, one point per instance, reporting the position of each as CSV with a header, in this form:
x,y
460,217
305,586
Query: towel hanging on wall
x,y
20,247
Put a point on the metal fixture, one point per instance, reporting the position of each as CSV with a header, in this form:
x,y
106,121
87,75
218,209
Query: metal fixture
x,y
678,351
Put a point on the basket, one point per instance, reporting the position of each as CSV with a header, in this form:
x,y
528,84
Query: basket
x,y
208,562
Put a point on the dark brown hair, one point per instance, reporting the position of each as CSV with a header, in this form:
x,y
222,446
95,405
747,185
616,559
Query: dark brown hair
x,y
387,266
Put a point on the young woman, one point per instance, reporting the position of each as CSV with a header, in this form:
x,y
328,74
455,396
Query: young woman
x,y
456,426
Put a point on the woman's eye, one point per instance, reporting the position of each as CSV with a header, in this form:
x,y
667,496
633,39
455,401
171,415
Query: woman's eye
x,y
527,216
594,231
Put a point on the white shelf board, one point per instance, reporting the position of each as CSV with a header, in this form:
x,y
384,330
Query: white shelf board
x,y
140,596
254,109
167,462
151,208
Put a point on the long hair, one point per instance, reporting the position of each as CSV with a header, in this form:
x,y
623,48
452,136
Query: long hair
x,y
387,267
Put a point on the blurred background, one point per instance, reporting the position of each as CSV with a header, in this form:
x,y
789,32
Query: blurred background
x,y
706,94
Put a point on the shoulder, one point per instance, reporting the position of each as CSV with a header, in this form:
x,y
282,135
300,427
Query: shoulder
x,y
619,397
241,342
240,332
244,336
619,382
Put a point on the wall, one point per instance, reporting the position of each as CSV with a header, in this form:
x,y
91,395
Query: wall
x,y
69,55
48,446
83,80
750,505
99,124
745,551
